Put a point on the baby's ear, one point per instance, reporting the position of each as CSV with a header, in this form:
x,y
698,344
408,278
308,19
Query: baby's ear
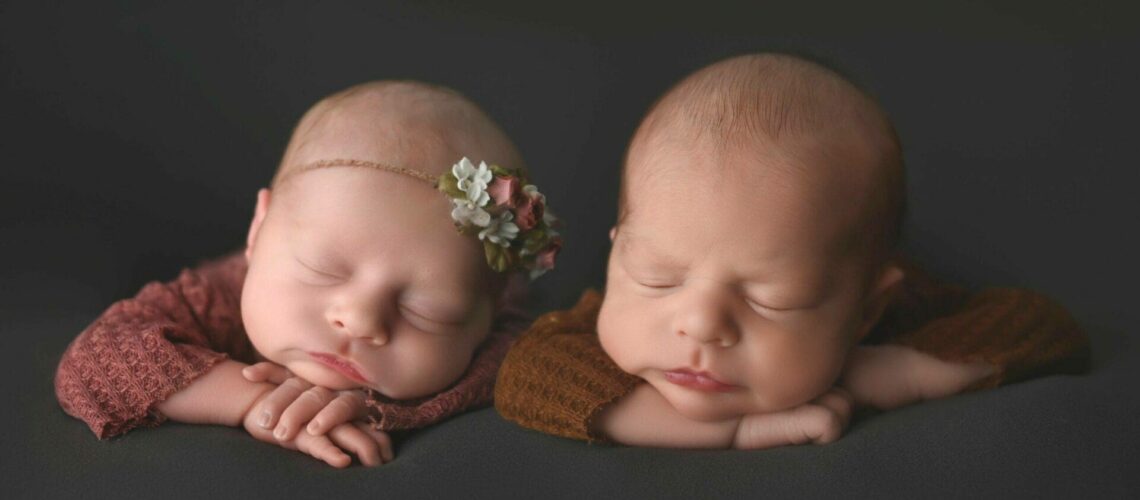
x,y
879,296
258,217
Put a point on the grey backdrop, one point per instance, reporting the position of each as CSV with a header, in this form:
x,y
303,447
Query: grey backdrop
x,y
135,134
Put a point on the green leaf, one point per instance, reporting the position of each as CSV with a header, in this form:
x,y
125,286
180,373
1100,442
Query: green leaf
x,y
449,185
500,171
499,258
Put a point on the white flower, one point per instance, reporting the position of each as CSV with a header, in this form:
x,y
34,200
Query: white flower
x,y
473,180
466,213
550,220
501,231
532,191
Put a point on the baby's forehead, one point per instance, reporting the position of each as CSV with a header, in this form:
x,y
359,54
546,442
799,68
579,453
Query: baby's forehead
x,y
405,124
371,215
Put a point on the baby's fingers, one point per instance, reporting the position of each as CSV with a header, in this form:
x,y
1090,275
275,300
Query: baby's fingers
x,y
371,447
273,405
322,448
346,407
266,371
839,401
301,411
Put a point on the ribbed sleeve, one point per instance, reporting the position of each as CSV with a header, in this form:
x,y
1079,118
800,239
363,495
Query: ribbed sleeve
x,y
1019,332
557,378
143,349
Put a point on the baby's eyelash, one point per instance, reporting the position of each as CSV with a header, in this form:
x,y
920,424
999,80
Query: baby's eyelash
x,y
407,311
318,271
756,304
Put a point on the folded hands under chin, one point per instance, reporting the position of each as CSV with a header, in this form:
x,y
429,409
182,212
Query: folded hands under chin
x,y
328,425
819,421
645,417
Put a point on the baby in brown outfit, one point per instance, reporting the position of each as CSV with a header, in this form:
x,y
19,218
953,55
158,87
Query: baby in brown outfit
x,y
753,295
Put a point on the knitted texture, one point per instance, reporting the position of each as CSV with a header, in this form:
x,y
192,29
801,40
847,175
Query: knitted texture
x,y
1020,332
143,349
556,379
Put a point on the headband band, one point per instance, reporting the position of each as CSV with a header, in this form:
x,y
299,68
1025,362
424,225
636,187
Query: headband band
x,y
495,204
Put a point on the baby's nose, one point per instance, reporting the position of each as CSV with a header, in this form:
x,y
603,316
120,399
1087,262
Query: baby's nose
x,y
364,323
709,322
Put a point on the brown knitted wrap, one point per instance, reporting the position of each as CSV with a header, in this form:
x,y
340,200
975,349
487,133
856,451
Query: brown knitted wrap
x,y
556,377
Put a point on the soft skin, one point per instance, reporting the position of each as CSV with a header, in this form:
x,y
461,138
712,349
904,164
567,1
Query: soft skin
x,y
756,291
357,277
751,255
753,289
382,282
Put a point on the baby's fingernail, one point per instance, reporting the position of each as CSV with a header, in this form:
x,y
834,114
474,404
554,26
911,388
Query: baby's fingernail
x,y
264,420
313,426
280,432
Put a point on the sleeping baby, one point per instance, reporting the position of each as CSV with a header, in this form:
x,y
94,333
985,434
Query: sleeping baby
x,y
357,307
753,296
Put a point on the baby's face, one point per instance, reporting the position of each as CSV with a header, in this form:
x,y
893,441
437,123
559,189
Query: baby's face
x,y
357,278
725,290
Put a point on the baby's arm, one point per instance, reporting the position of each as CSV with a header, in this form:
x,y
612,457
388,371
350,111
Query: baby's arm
x,y
889,376
144,349
556,377
938,340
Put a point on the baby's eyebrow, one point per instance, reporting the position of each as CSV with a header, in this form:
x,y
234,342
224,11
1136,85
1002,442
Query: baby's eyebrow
x,y
646,250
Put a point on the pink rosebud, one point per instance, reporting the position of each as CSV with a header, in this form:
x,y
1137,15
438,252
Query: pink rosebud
x,y
504,190
528,212
545,258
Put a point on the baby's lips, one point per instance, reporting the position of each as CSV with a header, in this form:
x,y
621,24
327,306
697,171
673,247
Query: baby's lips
x,y
701,381
341,365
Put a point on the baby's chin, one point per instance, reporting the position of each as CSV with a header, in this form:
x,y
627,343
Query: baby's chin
x,y
318,375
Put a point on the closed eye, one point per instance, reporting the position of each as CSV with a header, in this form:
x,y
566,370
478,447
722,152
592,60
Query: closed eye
x,y
417,316
765,308
323,274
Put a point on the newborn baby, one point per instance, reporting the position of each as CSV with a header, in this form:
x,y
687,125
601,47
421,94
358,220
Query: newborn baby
x,y
357,308
753,253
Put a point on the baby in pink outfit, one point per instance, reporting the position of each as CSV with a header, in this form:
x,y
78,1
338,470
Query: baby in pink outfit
x,y
357,308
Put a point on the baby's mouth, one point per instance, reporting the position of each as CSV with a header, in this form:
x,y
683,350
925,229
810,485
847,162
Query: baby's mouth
x,y
699,381
340,365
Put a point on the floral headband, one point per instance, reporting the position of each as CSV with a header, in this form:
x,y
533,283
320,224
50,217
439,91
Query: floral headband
x,y
495,204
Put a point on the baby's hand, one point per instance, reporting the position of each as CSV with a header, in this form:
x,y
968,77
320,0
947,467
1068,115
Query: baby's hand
x,y
889,376
820,421
295,403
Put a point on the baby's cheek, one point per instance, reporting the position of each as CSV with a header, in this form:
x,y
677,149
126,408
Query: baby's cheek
x,y
806,371
622,336
428,367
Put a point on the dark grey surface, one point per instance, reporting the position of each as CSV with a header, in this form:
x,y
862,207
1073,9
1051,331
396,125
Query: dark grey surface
x,y
135,136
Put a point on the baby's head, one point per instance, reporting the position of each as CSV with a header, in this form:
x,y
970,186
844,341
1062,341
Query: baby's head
x,y
761,198
357,276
